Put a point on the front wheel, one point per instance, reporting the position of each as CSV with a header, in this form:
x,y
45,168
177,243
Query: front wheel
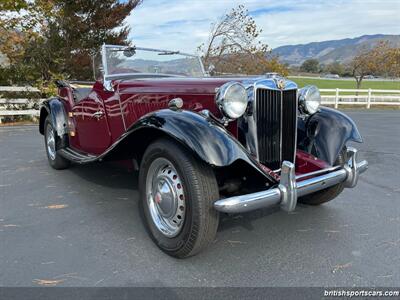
x,y
56,161
177,193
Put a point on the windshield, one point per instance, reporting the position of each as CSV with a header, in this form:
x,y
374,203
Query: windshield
x,y
122,60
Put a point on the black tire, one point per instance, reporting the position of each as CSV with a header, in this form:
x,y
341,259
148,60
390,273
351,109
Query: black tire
x,y
328,194
56,161
200,223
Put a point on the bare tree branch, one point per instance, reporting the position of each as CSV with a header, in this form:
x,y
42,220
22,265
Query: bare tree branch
x,y
233,46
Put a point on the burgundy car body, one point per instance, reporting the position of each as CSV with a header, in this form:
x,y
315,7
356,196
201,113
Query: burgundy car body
x,y
134,99
276,150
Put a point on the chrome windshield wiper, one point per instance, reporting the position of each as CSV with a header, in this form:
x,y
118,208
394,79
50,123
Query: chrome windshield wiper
x,y
169,53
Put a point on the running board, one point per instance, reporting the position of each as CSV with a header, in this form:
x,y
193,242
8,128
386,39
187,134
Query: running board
x,y
77,157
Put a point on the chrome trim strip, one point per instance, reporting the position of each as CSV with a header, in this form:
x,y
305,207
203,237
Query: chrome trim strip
x,y
104,59
122,112
323,171
281,129
124,76
120,108
255,121
289,189
295,127
75,156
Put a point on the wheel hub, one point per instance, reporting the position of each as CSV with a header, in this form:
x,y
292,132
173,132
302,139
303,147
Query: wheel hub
x,y
51,143
165,197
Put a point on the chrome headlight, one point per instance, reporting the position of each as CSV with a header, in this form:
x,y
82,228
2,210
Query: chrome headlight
x,y
309,99
232,100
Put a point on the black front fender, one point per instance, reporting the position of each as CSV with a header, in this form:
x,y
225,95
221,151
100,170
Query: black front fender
x,y
55,109
326,132
210,141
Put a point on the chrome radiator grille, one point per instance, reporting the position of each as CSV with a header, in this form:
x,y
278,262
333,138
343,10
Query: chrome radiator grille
x,y
276,121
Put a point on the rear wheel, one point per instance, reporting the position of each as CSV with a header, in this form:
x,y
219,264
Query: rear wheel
x,y
328,194
56,161
177,194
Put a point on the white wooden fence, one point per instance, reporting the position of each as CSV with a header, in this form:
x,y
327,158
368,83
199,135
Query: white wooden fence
x,y
335,97
363,97
18,101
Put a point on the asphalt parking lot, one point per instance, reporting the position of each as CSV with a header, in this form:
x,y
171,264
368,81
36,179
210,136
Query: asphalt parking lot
x,y
80,227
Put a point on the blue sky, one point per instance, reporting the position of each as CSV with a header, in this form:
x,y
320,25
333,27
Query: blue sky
x,y
185,24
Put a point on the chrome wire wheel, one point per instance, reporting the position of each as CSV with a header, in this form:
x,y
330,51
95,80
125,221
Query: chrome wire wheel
x,y
50,142
165,197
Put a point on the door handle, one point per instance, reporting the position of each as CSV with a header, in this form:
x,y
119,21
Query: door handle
x,y
98,114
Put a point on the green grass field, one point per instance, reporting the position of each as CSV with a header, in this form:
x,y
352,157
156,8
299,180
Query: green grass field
x,y
347,84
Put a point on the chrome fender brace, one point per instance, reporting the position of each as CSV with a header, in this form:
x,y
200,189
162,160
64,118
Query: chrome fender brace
x,y
288,187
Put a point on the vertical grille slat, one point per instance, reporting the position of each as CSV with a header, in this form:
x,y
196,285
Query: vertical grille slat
x,y
289,126
276,119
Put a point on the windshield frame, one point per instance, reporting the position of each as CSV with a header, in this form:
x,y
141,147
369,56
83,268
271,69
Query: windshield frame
x,y
108,77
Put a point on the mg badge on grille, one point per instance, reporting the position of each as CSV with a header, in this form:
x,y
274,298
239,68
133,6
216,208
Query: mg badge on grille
x,y
281,84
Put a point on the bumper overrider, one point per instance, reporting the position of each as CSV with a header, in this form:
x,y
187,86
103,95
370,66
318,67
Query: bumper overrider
x,y
291,186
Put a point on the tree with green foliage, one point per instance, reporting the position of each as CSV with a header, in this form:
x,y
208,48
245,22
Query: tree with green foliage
x,y
43,39
335,68
310,66
13,5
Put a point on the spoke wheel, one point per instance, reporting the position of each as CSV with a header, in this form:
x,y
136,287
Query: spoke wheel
x,y
165,197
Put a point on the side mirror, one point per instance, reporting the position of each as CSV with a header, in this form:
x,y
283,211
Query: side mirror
x,y
129,52
211,70
108,85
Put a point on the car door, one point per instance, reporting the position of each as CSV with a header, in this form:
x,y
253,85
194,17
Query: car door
x,y
92,133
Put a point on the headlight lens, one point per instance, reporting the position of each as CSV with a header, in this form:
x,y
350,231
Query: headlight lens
x,y
232,100
309,99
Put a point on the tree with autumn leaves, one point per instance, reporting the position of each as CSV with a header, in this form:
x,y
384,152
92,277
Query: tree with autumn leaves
x,y
234,47
382,60
45,39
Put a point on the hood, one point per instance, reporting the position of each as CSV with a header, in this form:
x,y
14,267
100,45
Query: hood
x,y
184,85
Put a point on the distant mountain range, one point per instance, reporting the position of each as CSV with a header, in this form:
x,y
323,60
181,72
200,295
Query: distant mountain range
x,y
330,51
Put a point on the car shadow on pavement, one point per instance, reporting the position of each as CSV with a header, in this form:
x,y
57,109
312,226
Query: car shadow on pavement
x,y
244,220
303,214
119,177
107,174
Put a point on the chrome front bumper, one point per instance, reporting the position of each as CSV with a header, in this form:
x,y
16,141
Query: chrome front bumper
x,y
290,188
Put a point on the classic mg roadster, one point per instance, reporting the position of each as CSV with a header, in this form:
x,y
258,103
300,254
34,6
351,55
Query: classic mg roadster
x,y
203,145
